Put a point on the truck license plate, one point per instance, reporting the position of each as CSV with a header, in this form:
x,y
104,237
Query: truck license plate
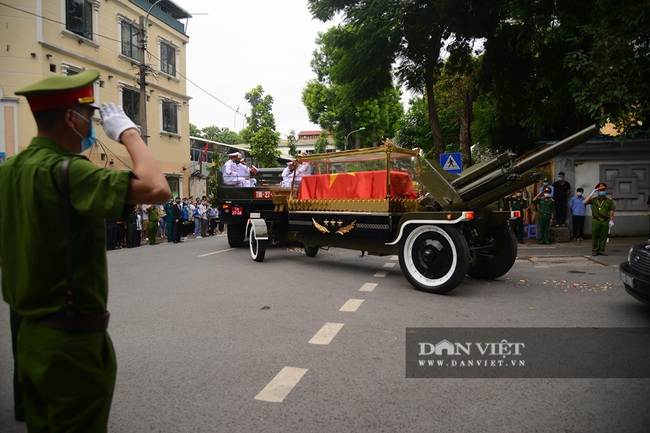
x,y
627,279
236,210
263,194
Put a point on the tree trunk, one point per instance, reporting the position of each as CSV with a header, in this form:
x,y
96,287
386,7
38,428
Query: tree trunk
x,y
465,128
434,123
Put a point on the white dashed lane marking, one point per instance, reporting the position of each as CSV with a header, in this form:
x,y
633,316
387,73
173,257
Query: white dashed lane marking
x,y
326,334
380,274
368,287
352,305
217,252
389,265
394,257
281,385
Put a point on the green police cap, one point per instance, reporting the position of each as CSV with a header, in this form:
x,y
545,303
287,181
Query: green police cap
x,y
61,91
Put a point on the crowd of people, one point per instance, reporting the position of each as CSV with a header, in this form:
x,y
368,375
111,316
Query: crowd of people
x,y
553,203
172,222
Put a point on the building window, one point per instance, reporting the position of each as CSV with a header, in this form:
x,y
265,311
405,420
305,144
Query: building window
x,y
174,185
131,104
130,40
168,59
170,117
79,17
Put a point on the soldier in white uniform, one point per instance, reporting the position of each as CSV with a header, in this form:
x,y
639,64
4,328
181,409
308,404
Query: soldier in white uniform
x,y
287,174
303,169
245,173
231,170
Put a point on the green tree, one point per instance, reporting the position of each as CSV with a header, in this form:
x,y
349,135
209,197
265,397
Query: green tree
x,y
341,102
411,34
552,68
260,130
221,135
320,146
291,142
194,131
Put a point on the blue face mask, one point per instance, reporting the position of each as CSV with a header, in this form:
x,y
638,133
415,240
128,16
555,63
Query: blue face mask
x,y
602,193
87,142
560,179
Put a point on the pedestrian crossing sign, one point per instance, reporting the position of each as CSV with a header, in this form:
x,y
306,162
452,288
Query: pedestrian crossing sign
x,y
451,162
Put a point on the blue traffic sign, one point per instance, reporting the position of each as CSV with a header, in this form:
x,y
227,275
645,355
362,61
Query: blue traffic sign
x,y
452,162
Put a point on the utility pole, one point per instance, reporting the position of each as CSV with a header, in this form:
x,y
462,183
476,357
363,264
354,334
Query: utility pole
x,y
143,80
143,75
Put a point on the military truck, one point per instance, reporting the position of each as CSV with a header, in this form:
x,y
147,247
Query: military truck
x,y
390,201
236,203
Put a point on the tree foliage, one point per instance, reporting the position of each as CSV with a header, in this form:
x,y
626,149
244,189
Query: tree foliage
x,y
221,135
291,142
341,100
260,130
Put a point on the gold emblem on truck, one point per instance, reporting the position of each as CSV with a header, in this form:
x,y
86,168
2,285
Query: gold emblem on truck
x,y
323,227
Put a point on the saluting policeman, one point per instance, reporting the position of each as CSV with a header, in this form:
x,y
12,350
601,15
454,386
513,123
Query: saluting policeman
x,y
66,362
602,213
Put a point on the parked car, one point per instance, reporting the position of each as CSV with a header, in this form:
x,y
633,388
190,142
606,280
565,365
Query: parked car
x,y
635,273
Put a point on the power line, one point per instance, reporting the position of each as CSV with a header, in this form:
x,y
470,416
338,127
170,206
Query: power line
x,y
119,41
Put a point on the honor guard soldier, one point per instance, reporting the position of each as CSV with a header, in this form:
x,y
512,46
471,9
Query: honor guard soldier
x,y
602,214
518,202
546,211
56,280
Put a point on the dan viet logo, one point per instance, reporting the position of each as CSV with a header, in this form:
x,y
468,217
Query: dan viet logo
x,y
477,354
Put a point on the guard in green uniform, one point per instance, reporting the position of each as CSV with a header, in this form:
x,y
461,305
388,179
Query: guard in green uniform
x,y
518,202
602,218
546,211
152,224
66,362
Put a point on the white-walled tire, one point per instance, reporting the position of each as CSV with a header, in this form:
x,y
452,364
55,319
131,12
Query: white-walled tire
x,y
257,247
434,258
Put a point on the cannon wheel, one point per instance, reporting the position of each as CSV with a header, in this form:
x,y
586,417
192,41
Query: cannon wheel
x,y
258,247
311,250
434,258
235,234
495,261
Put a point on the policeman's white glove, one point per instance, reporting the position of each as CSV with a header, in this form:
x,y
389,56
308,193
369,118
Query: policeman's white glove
x,y
611,224
115,121
594,193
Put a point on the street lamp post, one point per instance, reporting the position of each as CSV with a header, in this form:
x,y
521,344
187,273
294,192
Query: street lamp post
x,y
143,75
347,141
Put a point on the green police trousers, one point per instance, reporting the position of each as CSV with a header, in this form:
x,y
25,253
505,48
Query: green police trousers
x,y
152,231
67,379
544,220
599,231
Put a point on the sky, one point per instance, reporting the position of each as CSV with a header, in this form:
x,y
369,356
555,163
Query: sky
x,y
237,45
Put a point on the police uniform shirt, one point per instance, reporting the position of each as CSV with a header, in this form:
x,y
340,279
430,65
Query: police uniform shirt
x,y
34,276
230,172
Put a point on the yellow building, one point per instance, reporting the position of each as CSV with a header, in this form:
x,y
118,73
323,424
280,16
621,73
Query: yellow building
x,y
41,38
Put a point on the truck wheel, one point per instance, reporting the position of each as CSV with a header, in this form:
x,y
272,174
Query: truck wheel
x,y
434,258
235,234
311,250
496,260
258,247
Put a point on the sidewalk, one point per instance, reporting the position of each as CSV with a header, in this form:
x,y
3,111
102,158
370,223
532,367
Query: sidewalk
x,y
617,248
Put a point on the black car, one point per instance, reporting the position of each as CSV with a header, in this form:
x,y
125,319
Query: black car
x,y
635,273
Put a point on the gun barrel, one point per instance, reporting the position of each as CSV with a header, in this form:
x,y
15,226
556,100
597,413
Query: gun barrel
x,y
503,180
538,157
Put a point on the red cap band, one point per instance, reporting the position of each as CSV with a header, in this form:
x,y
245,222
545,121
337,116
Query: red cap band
x,y
67,98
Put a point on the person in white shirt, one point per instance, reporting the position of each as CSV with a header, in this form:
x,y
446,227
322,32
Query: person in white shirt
x,y
245,172
287,174
231,174
303,169
236,172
